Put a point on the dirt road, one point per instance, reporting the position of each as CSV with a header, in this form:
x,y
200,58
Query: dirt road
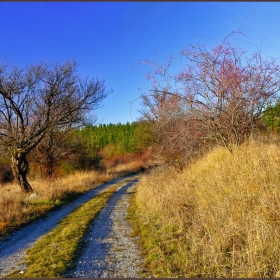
x,y
110,251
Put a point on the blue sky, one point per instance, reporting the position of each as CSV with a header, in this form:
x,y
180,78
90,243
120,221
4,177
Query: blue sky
x,y
109,38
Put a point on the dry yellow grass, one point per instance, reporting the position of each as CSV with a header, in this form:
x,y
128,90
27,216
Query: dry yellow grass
x,y
220,217
16,209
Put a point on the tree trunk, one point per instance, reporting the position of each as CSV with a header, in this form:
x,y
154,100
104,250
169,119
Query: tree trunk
x,y
20,169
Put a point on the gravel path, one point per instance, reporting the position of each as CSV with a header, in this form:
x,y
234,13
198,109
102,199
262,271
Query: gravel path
x,y
110,251
12,248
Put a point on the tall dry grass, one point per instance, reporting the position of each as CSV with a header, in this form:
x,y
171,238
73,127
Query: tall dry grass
x,y
220,217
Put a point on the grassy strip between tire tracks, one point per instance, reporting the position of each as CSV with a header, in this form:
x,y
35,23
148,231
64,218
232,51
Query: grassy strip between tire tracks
x,y
56,252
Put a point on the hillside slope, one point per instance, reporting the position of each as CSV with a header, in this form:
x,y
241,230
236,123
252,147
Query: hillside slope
x,y
218,218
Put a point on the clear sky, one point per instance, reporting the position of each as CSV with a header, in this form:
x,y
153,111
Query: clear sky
x,y
109,38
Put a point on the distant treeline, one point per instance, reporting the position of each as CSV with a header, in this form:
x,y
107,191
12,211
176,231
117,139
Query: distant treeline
x,y
119,137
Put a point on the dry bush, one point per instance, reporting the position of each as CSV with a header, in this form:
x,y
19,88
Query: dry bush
x,y
218,218
6,174
122,165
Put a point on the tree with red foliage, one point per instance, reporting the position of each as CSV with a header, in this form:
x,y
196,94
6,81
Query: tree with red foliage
x,y
228,89
225,90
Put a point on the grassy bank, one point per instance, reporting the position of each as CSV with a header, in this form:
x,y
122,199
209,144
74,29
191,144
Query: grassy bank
x,y
220,217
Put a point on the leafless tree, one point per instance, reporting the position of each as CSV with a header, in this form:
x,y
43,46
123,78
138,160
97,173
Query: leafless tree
x,y
173,126
37,100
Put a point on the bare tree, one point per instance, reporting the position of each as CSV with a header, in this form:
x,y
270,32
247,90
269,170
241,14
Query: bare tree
x,y
37,100
178,135
176,131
